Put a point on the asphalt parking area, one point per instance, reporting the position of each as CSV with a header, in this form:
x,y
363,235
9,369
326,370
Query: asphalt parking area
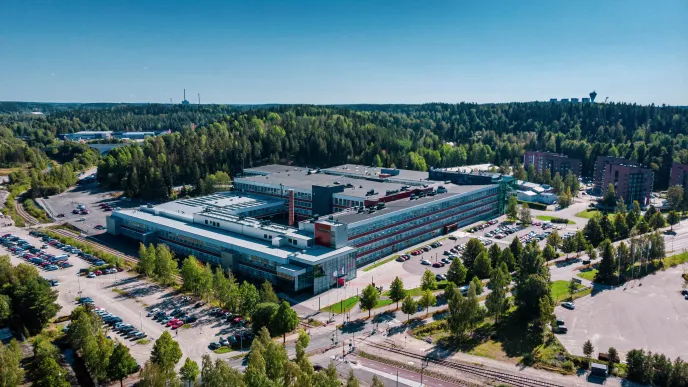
x,y
90,196
652,316
129,297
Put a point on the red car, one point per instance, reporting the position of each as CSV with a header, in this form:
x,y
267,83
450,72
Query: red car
x,y
238,320
119,269
177,325
172,322
7,235
98,272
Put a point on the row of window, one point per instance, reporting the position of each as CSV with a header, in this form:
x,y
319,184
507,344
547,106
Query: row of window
x,y
347,202
414,212
302,204
421,225
419,221
418,239
278,191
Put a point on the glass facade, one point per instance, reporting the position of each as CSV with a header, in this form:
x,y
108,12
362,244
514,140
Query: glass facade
x,y
325,274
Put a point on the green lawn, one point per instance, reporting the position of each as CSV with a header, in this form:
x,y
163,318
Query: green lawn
x,y
587,214
588,274
381,303
222,350
380,263
548,218
343,306
417,292
560,290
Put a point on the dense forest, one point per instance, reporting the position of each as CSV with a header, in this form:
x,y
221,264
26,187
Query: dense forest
x,y
211,138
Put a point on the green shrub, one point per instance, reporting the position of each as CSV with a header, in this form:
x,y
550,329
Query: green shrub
x,y
559,220
534,206
568,365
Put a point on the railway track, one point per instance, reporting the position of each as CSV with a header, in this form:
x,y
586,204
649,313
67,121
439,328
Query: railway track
x,y
21,212
498,376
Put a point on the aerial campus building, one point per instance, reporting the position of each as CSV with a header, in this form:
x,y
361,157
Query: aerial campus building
x,y
307,230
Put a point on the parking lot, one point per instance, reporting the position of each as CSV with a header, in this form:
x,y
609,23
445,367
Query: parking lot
x,y
83,206
125,296
648,314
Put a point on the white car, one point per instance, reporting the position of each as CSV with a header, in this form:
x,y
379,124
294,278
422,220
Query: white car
x,y
425,262
153,311
81,220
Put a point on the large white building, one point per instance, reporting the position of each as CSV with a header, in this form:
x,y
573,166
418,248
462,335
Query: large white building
x,y
347,216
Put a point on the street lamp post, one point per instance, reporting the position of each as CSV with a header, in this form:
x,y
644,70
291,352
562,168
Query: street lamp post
x,y
423,365
141,321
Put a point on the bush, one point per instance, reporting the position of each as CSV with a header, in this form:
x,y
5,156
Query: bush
x,y
559,220
568,365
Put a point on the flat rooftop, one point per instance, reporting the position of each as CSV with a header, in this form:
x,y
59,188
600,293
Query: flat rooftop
x,y
300,179
367,171
227,201
274,168
352,216
241,243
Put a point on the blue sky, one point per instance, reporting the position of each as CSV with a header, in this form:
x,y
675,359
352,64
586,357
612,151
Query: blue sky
x,y
323,52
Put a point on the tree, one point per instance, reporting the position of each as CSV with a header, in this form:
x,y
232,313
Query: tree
x,y
428,282
397,291
377,161
546,312
11,372
166,352
409,307
369,298
96,352
508,259
284,321
516,249
524,214
165,265
620,226
639,366
512,208
205,282
609,198
189,372
121,364
191,275
554,239
457,272
33,300
573,286
607,266
153,375
473,248
482,267
50,374
263,315
351,381
675,196
146,264
248,298
623,257
478,285
568,246
495,254
593,232
496,301
588,349
267,294
656,221
673,218
608,229
427,300
377,382
613,358
548,253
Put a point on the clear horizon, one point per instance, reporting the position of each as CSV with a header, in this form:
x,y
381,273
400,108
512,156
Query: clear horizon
x,y
340,53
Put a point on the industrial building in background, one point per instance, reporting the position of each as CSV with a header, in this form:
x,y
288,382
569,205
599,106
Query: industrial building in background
x,y
553,162
631,181
108,134
307,230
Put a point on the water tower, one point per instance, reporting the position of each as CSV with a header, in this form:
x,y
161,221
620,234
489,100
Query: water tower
x,y
592,96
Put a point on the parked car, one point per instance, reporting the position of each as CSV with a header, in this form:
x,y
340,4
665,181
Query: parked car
x,y
569,305
91,275
214,345
425,262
